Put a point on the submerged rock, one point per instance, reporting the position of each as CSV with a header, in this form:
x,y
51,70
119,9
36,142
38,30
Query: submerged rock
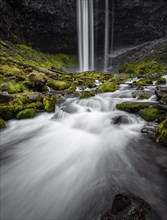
x,y
127,207
121,119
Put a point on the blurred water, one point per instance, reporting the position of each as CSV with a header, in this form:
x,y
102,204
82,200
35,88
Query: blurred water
x,y
69,165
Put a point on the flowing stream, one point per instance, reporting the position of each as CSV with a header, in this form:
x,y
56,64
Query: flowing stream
x,y
70,165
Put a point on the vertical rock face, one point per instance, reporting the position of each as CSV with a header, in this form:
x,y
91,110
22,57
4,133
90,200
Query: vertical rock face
x,y
138,21
50,25
47,24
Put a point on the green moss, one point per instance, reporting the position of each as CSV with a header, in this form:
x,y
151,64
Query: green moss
x,y
28,55
28,97
144,82
27,113
161,81
161,133
144,68
2,124
58,85
10,111
35,105
13,86
86,94
37,81
107,87
49,103
132,107
9,69
151,114
91,75
72,88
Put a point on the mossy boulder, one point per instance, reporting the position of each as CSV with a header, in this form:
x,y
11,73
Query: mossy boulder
x,y
13,86
85,94
161,133
9,111
144,82
161,81
140,95
132,107
58,85
37,81
152,114
36,105
50,102
27,113
2,124
107,87
27,97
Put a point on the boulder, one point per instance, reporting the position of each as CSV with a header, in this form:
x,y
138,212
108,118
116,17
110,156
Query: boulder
x,y
127,207
121,119
4,97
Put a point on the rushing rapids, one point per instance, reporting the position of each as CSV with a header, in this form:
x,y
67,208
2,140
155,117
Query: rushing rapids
x,y
69,165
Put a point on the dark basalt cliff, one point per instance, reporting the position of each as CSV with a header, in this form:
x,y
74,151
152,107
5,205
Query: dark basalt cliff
x,y
51,25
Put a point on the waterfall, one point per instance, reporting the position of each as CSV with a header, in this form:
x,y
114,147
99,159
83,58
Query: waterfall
x,y
106,40
112,30
86,34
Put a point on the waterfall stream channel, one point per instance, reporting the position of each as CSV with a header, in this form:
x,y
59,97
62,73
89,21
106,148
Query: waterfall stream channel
x,y
71,164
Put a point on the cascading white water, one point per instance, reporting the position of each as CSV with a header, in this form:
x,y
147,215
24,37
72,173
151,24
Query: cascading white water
x,y
86,34
70,165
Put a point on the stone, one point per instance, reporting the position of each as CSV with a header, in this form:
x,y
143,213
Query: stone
x,y
127,207
122,119
4,97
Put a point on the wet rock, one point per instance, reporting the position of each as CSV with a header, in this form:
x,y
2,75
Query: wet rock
x,y
161,93
122,119
132,107
127,207
142,94
150,129
4,97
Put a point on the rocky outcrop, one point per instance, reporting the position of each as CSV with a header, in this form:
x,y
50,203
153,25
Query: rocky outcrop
x,y
138,21
51,25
